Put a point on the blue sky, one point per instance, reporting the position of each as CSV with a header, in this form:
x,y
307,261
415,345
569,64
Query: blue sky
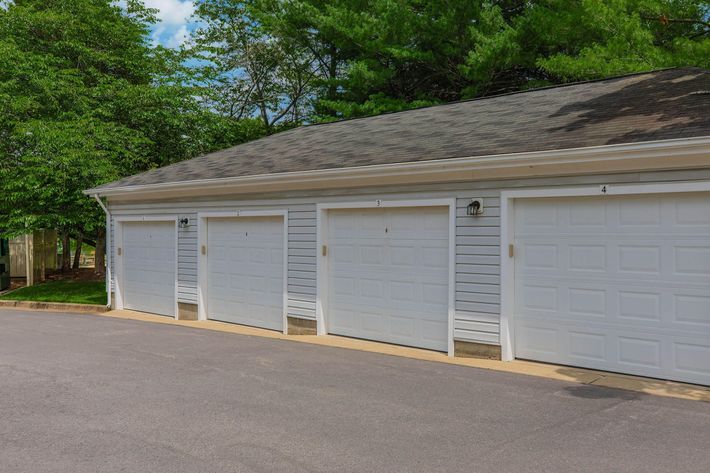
x,y
174,21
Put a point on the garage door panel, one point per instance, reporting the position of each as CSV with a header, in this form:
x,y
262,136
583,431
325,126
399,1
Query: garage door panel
x,y
692,359
405,327
642,306
692,308
639,211
149,266
628,293
693,213
433,326
537,340
640,351
245,264
692,260
388,275
586,345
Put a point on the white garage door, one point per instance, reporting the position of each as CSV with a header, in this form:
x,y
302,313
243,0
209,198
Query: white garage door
x,y
615,283
388,275
149,267
245,271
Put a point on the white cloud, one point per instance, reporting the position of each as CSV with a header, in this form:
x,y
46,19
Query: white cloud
x,y
172,12
174,21
178,38
157,35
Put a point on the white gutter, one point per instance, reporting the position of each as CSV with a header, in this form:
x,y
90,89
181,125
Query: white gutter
x,y
682,153
108,248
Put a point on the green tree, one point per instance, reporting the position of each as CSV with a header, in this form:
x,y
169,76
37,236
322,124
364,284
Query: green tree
x,y
374,56
555,41
85,99
250,72
378,55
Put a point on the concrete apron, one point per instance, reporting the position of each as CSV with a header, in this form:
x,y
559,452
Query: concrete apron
x,y
562,373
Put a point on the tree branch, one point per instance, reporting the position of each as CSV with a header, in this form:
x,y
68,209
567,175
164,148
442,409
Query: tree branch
x,y
665,20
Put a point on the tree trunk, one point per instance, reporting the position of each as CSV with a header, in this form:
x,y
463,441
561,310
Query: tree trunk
x,y
66,251
100,258
77,254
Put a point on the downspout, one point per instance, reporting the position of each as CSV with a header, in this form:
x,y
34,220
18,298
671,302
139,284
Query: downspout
x,y
109,249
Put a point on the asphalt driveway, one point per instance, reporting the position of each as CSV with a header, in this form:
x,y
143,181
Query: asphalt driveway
x,y
80,393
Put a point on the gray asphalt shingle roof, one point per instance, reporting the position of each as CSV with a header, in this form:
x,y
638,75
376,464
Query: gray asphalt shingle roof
x,y
652,106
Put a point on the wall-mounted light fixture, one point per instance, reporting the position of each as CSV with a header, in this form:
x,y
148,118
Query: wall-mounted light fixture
x,y
183,222
475,208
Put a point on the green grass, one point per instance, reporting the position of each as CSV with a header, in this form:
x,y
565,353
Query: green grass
x,y
77,292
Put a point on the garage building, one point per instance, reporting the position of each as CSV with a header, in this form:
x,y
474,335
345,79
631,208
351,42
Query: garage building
x,y
568,225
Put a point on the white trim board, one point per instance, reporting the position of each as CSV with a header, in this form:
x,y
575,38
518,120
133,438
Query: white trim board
x,y
202,275
683,153
507,234
145,218
321,261
118,229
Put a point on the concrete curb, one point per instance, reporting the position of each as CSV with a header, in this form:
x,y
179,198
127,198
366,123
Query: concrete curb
x,y
55,306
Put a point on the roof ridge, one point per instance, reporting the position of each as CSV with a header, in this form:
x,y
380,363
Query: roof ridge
x,y
514,92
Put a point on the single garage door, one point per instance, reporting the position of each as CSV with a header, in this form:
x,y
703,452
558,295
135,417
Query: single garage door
x,y
245,270
149,267
388,275
615,283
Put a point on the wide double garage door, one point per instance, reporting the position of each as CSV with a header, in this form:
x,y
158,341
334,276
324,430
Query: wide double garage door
x,y
615,283
245,271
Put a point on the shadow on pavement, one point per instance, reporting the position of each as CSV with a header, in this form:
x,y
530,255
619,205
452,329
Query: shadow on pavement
x,y
597,392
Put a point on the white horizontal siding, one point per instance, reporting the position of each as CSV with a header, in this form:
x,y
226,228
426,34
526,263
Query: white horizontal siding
x,y
302,262
187,259
478,270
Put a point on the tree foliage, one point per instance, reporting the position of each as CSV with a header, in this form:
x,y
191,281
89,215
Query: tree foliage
x,y
85,99
373,56
249,73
